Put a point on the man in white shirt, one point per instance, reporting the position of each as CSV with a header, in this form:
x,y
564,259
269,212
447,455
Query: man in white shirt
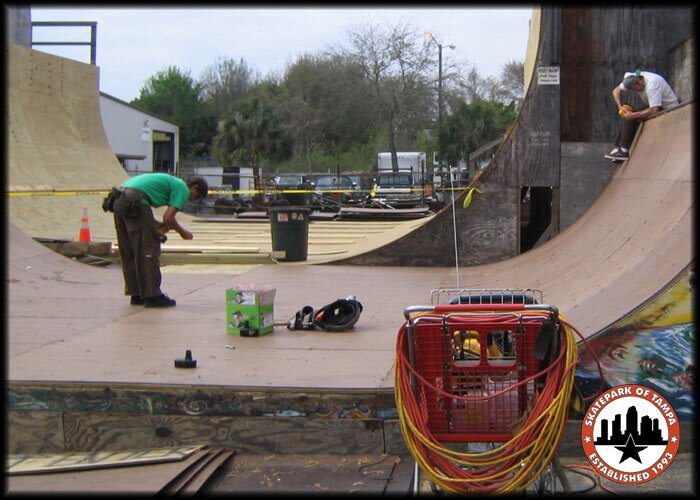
x,y
654,91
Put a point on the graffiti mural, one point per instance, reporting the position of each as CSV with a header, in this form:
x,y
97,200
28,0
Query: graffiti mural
x,y
653,346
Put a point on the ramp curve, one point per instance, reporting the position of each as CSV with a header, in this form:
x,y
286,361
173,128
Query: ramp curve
x,y
59,159
628,246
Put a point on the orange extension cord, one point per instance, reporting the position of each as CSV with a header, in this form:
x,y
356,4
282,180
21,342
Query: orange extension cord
x,y
513,465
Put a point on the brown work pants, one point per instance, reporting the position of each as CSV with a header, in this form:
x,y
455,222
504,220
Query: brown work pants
x,y
625,134
139,250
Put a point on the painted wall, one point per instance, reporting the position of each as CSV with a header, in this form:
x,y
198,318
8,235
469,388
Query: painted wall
x,y
653,346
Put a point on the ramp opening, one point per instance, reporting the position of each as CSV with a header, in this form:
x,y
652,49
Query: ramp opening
x,y
535,216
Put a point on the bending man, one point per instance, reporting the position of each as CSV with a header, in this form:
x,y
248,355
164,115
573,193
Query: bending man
x,y
139,234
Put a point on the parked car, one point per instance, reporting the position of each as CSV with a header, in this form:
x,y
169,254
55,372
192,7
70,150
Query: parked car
x,y
338,187
363,184
290,180
294,182
398,190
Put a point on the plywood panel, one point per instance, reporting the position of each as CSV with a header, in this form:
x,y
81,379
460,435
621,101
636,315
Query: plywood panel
x,y
35,432
260,435
144,479
204,400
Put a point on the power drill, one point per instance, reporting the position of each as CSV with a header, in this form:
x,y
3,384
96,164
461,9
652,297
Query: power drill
x,y
162,229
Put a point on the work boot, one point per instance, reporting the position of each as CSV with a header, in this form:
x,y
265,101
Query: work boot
x,y
159,301
136,300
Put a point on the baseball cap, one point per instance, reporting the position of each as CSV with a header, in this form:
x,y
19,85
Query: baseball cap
x,y
630,79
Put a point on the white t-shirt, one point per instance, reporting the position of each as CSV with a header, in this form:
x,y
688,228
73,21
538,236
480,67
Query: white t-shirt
x,y
657,92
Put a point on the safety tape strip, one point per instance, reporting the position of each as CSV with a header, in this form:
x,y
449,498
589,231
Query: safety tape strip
x,y
217,191
56,193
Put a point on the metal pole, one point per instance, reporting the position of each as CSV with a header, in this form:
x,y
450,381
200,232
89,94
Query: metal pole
x,y
93,44
440,103
439,99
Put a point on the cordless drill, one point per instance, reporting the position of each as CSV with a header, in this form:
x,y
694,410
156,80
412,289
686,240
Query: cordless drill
x,y
162,229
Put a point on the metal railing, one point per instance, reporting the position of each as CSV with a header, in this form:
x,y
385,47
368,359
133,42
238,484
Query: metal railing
x,y
93,35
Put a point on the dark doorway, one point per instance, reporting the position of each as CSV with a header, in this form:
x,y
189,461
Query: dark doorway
x,y
535,216
163,151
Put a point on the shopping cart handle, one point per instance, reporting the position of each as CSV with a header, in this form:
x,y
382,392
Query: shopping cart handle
x,y
446,308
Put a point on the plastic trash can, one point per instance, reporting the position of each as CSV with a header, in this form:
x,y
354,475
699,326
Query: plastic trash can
x,y
289,227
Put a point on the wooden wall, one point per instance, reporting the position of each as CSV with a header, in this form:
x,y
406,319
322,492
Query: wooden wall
x,y
598,45
584,175
682,72
55,418
52,418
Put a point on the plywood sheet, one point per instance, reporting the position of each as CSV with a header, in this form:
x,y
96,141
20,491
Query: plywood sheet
x,y
145,479
63,462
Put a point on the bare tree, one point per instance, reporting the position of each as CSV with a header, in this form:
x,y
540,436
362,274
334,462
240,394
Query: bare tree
x,y
512,82
506,89
224,82
395,61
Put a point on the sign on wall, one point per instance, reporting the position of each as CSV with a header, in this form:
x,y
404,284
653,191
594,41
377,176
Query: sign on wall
x,y
548,75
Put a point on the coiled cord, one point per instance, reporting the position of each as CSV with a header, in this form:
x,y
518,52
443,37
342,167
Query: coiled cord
x,y
514,464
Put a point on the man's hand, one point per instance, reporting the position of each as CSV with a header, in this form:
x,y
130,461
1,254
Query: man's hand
x,y
170,220
644,113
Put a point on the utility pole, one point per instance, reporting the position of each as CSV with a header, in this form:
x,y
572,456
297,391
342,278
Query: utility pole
x,y
428,34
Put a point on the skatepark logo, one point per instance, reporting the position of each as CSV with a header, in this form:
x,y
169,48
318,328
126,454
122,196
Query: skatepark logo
x,y
630,434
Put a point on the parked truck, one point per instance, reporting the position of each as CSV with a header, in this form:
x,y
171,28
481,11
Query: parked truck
x,y
413,162
401,187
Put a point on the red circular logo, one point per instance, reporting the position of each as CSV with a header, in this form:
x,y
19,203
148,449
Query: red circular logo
x,y
630,434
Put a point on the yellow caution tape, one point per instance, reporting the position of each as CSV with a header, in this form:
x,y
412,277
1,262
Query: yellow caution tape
x,y
56,193
468,198
220,191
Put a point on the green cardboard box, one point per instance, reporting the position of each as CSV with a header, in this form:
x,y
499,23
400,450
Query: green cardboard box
x,y
250,311
250,296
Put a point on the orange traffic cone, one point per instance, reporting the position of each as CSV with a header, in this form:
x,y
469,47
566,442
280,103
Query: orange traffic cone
x,y
84,227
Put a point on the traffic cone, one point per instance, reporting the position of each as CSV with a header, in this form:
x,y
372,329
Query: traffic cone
x,y
84,227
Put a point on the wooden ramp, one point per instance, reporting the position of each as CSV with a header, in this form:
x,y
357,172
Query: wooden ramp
x,y
634,240
70,322
60,162
88,372
626,248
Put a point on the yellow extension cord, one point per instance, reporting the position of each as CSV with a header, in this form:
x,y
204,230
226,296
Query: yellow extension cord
x,y
530,458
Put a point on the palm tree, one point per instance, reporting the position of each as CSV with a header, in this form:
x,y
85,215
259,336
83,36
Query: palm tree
x,y
249,134
474,125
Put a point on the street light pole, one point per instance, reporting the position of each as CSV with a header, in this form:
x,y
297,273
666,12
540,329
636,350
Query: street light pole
x,y
439,88
440,105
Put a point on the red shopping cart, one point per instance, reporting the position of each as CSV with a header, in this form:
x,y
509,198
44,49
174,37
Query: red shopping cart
x,y
483,366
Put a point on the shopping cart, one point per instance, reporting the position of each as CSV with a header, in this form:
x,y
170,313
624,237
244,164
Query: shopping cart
x,y
487,370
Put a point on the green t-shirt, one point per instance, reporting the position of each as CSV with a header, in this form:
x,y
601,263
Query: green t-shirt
x,y
161,189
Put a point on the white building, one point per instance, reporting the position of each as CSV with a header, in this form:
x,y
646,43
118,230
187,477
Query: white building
x,y
142,141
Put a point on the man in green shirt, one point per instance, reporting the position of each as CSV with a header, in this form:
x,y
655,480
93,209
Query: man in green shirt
x,y
139,233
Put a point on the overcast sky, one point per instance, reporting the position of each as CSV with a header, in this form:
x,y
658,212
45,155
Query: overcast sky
x,y
133,43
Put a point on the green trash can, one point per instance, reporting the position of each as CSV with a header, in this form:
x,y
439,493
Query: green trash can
x,y
289,227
